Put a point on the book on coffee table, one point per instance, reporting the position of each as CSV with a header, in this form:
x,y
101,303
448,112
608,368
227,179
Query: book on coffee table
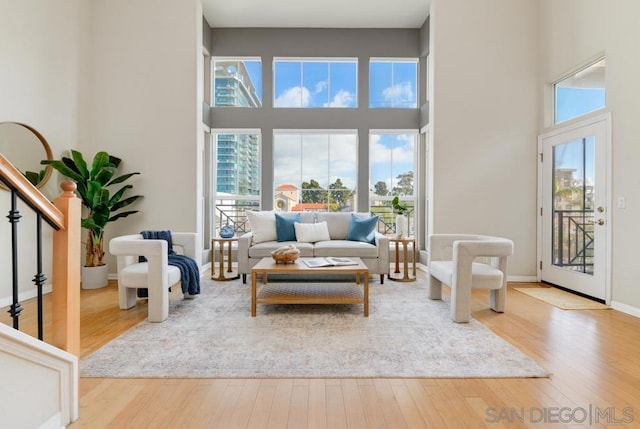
x,y
327,262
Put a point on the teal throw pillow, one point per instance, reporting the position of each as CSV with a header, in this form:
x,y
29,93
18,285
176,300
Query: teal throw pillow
x,y
362,229
285,230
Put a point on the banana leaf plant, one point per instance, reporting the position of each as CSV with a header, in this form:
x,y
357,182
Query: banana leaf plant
x,y
94,188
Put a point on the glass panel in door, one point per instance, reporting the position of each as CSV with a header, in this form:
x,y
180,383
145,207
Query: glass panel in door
x,y
573,205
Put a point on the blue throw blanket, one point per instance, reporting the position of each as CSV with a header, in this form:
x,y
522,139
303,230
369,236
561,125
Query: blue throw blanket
x,y
188,267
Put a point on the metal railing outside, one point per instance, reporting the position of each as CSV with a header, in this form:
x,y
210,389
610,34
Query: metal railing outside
x,y
232,212
573,239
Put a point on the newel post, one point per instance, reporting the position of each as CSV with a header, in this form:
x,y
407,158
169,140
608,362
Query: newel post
x,y
66,272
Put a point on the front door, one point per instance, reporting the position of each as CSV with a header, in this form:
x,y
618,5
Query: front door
x,y
574,207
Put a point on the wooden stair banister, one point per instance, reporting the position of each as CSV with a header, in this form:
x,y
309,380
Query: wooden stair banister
x,y
13,178
66,272
64,216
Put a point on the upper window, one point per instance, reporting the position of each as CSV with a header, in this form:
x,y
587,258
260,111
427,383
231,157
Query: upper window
x,y
580,93
315,170
393,83
315,83
237,82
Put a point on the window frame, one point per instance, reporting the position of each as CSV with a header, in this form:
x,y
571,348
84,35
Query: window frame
x,y
386,213
320,132
215,59
573,74
302,60
415,61
254,201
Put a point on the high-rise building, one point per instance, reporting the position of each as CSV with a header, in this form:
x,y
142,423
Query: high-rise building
x,y
238,155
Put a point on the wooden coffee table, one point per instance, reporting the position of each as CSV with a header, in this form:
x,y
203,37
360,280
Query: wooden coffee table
x,y
308,292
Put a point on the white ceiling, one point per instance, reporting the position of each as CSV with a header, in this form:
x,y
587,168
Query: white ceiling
x,y
316,13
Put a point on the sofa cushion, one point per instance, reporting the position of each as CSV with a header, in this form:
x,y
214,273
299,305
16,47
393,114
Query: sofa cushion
x,y
339,222
346,248
311,232
285,231
362,229
136,275
263,226
263,250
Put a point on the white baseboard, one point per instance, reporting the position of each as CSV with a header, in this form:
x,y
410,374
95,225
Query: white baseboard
x,y
23,296
625,308
522,279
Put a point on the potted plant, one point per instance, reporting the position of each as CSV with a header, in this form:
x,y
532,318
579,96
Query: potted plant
x,y
94,188
402,222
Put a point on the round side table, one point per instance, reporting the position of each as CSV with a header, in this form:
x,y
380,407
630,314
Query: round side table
x,y
405,241
221,276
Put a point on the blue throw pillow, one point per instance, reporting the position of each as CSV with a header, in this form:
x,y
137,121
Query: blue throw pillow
x,y
362,229
285,230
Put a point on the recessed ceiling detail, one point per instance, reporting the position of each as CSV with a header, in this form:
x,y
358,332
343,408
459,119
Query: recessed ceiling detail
x,y
316,13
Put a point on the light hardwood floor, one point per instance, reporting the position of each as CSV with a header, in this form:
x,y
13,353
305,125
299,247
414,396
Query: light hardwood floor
x,y
593,355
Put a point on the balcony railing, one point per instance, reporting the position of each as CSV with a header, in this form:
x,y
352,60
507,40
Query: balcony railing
x,y
232,212
573,240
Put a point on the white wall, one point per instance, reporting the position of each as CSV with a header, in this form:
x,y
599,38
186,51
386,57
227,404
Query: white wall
x,y
110,75
573,31
144,106
483,120
40,72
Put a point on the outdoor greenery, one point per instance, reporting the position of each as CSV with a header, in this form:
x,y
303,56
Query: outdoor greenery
x,y
336,197
93,187
404,186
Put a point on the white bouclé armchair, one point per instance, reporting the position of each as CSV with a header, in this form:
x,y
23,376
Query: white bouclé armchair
x,y
156,274
453,260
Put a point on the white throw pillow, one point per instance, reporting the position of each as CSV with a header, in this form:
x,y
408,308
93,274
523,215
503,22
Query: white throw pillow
x,y
263,226
311,232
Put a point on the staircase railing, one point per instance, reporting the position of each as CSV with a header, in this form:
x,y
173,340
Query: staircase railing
x,y
64,217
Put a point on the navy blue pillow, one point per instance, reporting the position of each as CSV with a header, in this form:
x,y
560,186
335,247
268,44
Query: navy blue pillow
x,y
285,230
362,229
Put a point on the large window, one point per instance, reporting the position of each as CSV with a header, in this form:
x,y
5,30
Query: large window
x,y
393,83
580,93
315,83
237,82
392,156
237,176
314,170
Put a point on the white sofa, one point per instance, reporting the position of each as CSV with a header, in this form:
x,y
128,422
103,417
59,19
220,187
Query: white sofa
x,y
375,256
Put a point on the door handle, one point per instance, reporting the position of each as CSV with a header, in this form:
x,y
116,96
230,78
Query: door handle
x,y
600,221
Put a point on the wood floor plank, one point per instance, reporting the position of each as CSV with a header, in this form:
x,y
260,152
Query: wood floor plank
x,y
299,406
259,414
390,408
407,405
317,404
371,405
353,404
280,408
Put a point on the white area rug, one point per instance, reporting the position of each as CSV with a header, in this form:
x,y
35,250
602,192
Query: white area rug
x,y
214,336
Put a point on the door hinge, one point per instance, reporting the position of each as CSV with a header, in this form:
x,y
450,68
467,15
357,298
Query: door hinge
x,y
540,265
540,211
541,157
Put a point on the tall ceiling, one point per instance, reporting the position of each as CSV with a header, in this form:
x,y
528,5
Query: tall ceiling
x,y
317,13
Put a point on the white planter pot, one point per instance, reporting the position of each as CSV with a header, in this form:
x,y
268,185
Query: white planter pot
x,y
95,277
402,226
